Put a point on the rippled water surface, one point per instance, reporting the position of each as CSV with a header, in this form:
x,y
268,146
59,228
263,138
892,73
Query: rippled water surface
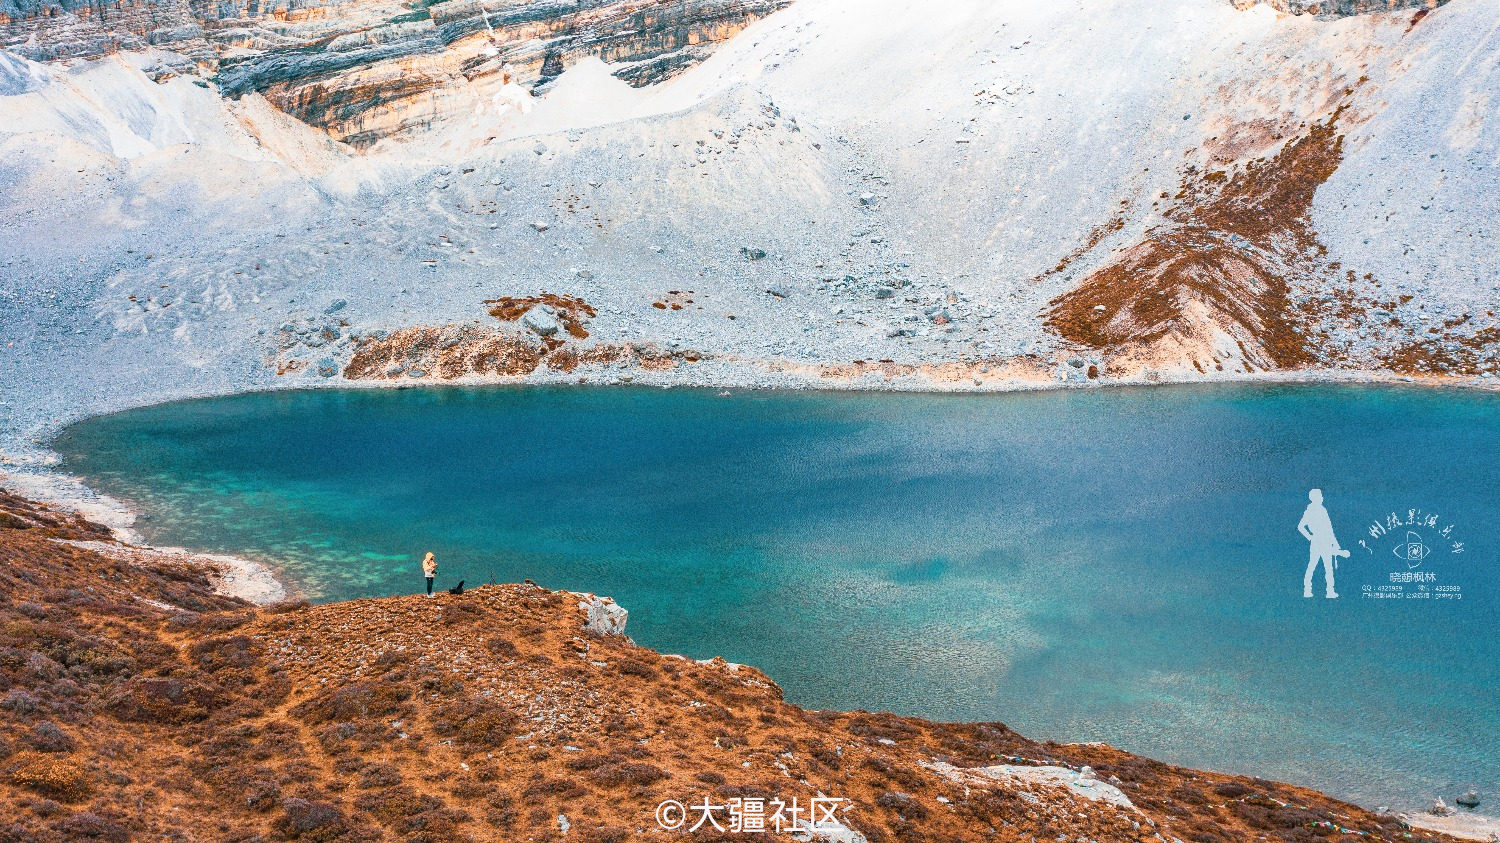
x,y
1116,565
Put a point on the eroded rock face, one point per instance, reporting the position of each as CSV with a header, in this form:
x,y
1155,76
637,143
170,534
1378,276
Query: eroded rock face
x,y
1211,283
1340,8
364,70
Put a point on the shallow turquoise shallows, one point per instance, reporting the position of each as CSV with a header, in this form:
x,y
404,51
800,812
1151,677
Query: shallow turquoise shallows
x,y
1117,565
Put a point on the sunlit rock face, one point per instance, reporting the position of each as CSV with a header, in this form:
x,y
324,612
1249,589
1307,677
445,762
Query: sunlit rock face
x,y
1340,8
364,70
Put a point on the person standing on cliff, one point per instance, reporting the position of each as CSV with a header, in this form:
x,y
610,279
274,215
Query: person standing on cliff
x,y
429,570
1322,545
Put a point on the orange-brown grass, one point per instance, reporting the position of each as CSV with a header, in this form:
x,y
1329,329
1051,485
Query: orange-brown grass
x,y
1094,238
675,300
1475,354
571,310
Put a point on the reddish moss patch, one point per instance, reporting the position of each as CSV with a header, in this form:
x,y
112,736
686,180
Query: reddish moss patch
x,y
444,353
675,300
1093,239
571,311
458,351
61,777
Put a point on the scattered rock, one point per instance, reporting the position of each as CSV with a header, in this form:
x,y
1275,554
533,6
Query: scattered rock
x,y
540,226
780,291
540,320
327,367
336,306
753,254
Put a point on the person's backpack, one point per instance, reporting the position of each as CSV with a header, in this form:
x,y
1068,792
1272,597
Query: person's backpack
x,y
457,589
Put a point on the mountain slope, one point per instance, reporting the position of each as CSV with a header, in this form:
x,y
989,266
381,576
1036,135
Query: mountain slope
x,y
871,194
135,703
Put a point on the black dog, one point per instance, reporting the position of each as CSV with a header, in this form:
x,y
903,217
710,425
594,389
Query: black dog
x,y
457,589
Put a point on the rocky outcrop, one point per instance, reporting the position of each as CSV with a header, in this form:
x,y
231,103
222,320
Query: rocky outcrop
x,y
1340,8
364,70
602,615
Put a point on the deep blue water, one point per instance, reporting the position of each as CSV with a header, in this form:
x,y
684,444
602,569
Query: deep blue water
x,y
1119,565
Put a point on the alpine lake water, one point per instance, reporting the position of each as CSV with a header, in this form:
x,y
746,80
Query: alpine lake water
x,y
1119,565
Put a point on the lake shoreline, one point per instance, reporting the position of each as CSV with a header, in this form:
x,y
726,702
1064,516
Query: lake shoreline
x,y
29,466
24,449
1465,825
248,579
232,576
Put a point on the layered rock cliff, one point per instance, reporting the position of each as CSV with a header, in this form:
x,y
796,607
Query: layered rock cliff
x,y
368,69
1340,8
364,70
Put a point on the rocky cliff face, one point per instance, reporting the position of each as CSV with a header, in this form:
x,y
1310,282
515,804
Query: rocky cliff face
x,y
367,69
364,70
1340,8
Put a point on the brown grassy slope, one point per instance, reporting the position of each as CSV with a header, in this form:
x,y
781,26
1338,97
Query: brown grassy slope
x,y
135,704
1221,262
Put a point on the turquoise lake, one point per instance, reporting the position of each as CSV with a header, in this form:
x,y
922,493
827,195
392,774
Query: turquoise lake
x,y
1120,565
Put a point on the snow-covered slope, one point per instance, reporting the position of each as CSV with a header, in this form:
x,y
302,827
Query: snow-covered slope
x,y
979,193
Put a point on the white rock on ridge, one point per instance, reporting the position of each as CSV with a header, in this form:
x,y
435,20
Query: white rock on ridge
x,y
1081,784
604,615
830,832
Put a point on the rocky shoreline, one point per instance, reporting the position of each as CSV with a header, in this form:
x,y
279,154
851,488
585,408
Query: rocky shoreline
x,y
27,465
